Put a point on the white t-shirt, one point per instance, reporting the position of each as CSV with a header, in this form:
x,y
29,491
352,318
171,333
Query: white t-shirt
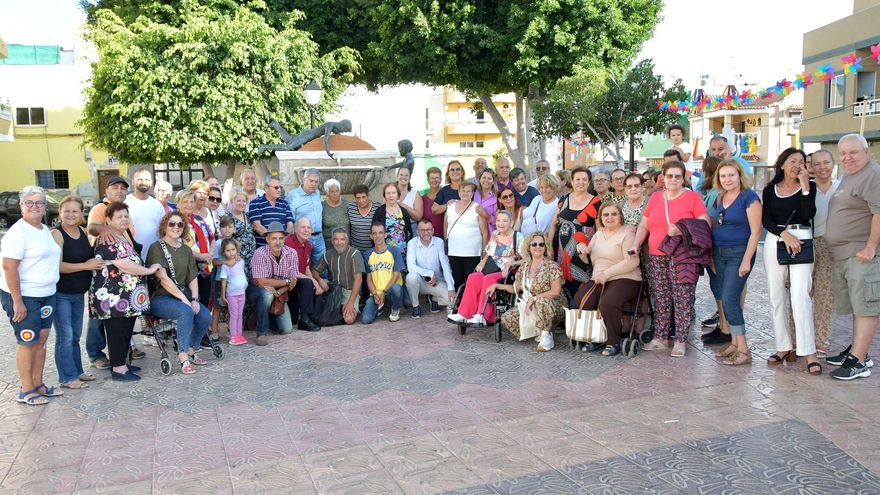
x,y
40,256
686,149
145,215
537,216
236,280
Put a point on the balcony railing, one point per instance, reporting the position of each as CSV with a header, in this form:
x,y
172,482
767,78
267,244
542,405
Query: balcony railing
x,y
5,110
867,107
474,127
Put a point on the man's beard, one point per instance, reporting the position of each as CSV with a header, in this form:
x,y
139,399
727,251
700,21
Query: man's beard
x,y
143,189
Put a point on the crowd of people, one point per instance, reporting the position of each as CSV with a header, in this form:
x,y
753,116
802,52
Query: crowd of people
x,y
575,239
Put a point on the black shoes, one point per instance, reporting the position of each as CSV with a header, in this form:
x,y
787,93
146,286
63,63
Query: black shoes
x,y
851,369
435,308
840,359
128,376
417,312
308,325
716,337
712,320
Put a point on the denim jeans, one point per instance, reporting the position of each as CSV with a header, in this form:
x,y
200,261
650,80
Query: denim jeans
x,y
96,341
318,248
727,285
69,310
261,300
190,327
394,297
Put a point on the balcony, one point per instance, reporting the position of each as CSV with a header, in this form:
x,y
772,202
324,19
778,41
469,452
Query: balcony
x,y
459,97
866,107
474,127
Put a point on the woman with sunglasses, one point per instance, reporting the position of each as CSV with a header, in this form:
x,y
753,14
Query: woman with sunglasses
x,y
507,202
673,300
616,277
176,296
635,201
200,239
572,227
449,192
540,279
735,234
618,191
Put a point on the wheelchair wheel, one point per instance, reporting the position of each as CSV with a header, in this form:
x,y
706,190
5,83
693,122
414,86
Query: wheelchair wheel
x,y
636,348
165,366
218,351
646,335
497,328
625,346
462,328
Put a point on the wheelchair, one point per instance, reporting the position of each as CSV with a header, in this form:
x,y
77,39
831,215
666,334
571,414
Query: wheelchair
x,y
502,300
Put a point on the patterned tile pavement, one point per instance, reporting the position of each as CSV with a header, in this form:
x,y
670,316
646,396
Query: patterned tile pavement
x,y
414,407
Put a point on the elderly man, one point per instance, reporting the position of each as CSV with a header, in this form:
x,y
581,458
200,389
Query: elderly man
x,y
502,174
164,191
479,166
542,167
853,237
268,208
248,180
345,265
718,146
145,211
523,191
384,265
309,283
305,201
429,270
274,270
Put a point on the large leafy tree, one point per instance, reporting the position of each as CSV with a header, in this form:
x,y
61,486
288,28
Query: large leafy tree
x,y
202,89
609,107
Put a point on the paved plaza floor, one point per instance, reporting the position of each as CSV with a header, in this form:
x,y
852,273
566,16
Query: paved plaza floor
x,y
414,407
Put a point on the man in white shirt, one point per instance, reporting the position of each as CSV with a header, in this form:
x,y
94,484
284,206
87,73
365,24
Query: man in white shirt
x,y
429,270
145,211
541,168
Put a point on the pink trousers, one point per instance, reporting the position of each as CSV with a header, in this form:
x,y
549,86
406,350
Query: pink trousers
x,y
475,295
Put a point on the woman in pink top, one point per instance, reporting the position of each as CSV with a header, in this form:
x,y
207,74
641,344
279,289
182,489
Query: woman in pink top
x,y
672,301
486,198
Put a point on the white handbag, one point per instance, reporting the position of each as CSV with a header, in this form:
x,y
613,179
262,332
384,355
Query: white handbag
x,y
585,325
527,327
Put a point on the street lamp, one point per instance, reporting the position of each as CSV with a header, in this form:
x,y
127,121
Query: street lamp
x,y
312,93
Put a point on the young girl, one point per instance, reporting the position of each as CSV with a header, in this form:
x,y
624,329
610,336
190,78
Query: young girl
x,y
233,283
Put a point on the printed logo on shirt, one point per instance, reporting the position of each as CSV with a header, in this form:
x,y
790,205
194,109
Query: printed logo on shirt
x,y
46,311
382,266
27,335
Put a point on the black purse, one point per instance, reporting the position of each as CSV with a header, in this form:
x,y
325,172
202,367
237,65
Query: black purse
x,y
802,257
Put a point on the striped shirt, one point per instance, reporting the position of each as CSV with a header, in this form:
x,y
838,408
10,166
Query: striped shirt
x,y
359,234
264,265
262,210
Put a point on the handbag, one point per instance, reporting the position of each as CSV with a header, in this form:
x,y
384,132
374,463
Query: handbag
x,y
279,303
182,288
329,307
586,325
528,329
804,256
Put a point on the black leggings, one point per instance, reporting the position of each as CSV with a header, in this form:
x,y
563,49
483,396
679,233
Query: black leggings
x,y
462,266
118,331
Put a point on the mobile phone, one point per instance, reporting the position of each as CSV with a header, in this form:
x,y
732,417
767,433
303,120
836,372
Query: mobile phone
x,y
631,252
427,279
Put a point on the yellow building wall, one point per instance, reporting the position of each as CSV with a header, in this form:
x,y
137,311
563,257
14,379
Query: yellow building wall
x,y
59,145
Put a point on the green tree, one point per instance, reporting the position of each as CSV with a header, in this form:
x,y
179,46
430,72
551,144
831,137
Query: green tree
x,y
609,107
203,89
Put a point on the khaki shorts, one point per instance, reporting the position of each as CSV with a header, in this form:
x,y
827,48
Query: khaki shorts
x,y
857,287
357,300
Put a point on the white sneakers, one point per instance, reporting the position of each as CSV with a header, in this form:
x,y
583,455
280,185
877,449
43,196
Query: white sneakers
x,y
456,318
546,342
395,315
477,320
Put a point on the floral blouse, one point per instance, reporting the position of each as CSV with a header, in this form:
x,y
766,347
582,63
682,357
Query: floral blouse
x,y
244,234
543,279
115,294
395,233
503,252
633,216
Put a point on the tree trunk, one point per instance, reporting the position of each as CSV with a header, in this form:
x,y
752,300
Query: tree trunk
x,y
208,169
522,141
261,169
512,149
537,147
229,173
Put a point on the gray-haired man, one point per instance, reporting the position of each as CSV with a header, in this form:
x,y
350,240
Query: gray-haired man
x,y
305,201
346,267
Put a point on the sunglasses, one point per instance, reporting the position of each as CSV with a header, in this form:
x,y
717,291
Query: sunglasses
x,y
456,170
176,225
537,244
674,177
543,168
506,196
215,199
275,187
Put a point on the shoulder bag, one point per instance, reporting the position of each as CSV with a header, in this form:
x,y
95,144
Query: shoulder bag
x,y
279,303
182,288
802,257
586,325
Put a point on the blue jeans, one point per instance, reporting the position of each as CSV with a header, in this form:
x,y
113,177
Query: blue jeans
x,y
190,327
69,310
318,248
261,300
96,341
394,297
727,285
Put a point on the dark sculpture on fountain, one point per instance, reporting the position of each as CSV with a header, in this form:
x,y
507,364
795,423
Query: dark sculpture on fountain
x,y
293,143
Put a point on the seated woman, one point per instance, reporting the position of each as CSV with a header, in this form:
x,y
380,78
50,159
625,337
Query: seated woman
x,y
540,279
502,250
616,277
176,296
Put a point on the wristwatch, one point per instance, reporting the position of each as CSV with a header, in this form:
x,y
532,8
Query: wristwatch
x,y
287,281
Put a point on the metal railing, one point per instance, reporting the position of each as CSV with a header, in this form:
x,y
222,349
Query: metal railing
x,y
867,107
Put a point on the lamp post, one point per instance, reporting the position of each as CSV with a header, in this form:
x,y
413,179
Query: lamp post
x,y
312,93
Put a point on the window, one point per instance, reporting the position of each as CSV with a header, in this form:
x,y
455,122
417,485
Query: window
x,y
481,116
30,116
178,176
835,92
53,179
479,144
465,144
796,118
866,83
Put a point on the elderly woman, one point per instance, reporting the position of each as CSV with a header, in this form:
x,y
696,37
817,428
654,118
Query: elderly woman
x,y
789,207
540,280
486,198
410,199
466,234
564,177
398,223
202,189
616,277
176,296
670,296
572,227
449,192
118,294
31,260
634,203
537,216
334,210
602,185
77,264
200,239
502,249
618,191
244,231
435,176
164,191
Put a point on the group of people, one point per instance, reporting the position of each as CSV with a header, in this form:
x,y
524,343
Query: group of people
x,y
569,240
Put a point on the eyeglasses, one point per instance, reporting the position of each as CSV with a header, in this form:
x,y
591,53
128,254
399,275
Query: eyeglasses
x,y
543,168
506,196
537,244
618,179
456,170
429,229
215,199
176,225
599,181
34,204
673,177
275,187
610,214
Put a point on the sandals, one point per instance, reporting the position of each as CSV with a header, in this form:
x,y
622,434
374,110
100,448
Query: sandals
x,y
87,377
738,359
814,368
75,385
186,367
49,391
776,359
32,398
727,353
197,360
